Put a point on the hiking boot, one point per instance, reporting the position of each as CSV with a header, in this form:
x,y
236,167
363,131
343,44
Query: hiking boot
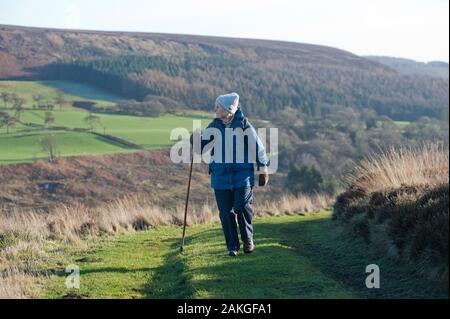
x,y
249,247
232,253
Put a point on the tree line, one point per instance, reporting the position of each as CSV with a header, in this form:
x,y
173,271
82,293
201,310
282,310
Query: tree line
x,y
266,85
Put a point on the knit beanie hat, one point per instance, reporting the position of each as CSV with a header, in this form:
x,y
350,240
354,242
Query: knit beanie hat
x,y
229,102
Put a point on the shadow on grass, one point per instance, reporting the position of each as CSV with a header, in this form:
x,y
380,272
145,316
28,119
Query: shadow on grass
x,y
117,143
83,91
275,269
170,279
345,257
166,281
301,259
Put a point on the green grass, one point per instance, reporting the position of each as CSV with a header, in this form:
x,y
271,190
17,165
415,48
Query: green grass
x,y
295,257
23,143
145,131
402,124
18,147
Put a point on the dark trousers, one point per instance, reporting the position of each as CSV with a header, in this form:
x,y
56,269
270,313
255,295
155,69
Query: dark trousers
x,y
235,204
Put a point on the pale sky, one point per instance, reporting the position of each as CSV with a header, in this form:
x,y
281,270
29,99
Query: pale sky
x,y
415,29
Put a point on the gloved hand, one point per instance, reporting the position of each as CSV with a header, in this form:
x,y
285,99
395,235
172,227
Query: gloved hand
x,y
263,179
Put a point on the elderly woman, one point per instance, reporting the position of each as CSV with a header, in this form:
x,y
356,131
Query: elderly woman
x,y
233,181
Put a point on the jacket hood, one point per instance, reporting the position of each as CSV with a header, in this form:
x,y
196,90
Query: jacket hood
x,y
239,115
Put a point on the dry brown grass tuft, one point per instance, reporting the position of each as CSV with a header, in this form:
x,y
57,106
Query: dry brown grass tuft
x,y
15,284
427,165
18,264
292,205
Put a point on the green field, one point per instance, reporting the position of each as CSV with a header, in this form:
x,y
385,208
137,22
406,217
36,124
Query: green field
x,y
295,257
20,147
22,144
401,124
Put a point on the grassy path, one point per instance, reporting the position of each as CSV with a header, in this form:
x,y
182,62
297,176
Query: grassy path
x,y
295,257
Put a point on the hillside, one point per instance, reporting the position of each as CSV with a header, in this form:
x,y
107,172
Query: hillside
x,y
96,180
407,66
25,48
193,70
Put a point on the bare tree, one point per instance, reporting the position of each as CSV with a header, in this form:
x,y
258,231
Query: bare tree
x,y
6,97
92,121
60,100
49,145
13,97
104,128
49,118
49,106
18,103
7,121
38,99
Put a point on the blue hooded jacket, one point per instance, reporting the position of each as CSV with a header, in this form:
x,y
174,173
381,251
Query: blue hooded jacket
x,y
236,175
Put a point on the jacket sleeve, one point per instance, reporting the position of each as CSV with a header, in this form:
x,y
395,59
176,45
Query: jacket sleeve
x,y
261,157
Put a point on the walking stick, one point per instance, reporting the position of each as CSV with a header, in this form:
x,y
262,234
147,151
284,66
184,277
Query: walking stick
x,y
187,201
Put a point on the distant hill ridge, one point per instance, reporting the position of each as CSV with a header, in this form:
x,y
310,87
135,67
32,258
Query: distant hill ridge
x,y
408,66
